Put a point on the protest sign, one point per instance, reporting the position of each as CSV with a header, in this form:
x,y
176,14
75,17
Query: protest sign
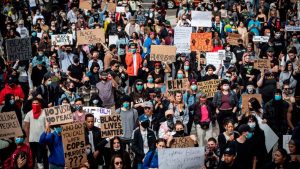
x,y
97,112
182,39
177,85
201,18
290,28
262,64
85,4
182,142
260,38
246,98
201,41
74,144
111,125
181,158
111,7
59,115
209,87
270,137
285,142
221,54
9,125
112,39
90,36
18,49
62,39
233,38
120,9
213,58
163,53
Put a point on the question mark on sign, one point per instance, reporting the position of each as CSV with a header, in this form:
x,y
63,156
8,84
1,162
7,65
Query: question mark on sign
x,y
81,157
71,160
75,160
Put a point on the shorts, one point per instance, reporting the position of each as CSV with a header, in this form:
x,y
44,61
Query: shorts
x,y
131,79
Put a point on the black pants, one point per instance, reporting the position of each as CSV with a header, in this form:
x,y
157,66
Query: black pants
x,y
224,114
39,152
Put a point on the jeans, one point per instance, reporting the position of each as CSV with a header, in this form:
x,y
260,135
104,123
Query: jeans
x,y
39,153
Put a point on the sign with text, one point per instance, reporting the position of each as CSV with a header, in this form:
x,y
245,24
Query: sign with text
x,y
182,142
177,85
62,39
213,58
209,87
290,28
201,41
9,125
111,125
120,9
201,18
262,64
260,38
181,158
182,39
270,137
246,98
163,53
233,38
59,115
285,142
85,4
97,112
111,7
90,36
74,144
18,49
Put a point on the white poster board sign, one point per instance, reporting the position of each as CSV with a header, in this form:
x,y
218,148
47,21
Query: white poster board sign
x,y
213,58
112,39
120,9
270,137
289,28
182,39
201,18
181,158
97,112
285,142
62,39
260,38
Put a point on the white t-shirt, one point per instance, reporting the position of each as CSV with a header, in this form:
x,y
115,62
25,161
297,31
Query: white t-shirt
x,y
134,65
145,140
37,126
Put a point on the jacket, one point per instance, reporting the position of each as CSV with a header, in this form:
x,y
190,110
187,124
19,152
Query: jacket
x,y
217,100
9,162
153,156
16,90
97,139
138,143
129,62
197,111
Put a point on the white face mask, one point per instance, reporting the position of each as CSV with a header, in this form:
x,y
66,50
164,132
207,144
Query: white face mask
x,y
226,87
251,125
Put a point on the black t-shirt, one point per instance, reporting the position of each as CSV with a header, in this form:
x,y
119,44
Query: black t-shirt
x,y
245,154
268,87
76,71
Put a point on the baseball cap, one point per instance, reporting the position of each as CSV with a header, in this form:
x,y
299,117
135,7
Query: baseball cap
x,y
143,118
229,151
148,104
244,128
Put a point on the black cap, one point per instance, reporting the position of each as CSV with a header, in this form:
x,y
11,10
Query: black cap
x,y
225,81
244,128
229,151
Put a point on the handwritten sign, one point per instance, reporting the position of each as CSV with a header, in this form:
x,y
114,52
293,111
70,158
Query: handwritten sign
x,y
181,158
62,39
262,64
233,38
111,125
290,28
209,87
18,49
260,38
74,144
97,112
90,36
246,98
59,115
9,125
163,53
201,41
271,137
120,9
177,84
285,142
182,39
213,58
85,4
182,142
201,18
111,7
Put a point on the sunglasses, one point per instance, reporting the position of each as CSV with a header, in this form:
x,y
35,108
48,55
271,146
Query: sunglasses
x,y
118,163
139,84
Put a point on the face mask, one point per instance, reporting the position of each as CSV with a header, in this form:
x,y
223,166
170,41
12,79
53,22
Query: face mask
x,y
252,125
150,80
119,30
194,87
68,51
133,50
186,67
58,130
76,60
139,87
249,135
225,87
49,83
231,23
277,97
87,151
145,124
126,105
55,70
117,149
228,48
145,64
181,132
95,101
180,76
33,34
78,107
12,101
73,27
250,89
19,140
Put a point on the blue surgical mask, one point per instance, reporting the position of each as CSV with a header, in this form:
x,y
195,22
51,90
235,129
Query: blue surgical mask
x,y
133,50
194,87
139,87
19,140
277,97
249,135
186,67
126,105
58,130
95,101
12,101
180,76
150,80
252,125
33,34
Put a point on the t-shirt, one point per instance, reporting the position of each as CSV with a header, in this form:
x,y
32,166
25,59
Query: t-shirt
x,y
76,71
37,126
128,118
245,154
106,93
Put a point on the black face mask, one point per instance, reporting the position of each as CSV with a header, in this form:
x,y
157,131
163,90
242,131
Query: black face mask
x,y
68,51
180,132
145,124
76,60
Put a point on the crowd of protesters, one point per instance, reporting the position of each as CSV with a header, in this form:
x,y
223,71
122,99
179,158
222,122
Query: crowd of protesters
x,y
122,77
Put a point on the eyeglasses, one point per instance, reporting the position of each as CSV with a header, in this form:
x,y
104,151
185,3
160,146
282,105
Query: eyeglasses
x,y
118,163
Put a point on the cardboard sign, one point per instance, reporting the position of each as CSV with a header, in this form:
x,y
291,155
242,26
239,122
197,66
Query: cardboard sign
x,y
262,64
111,7
246,98
182,142
90,36
270,137
181,158
285,142
120,9
182,39
260,38
201,18
59,115
213,58
201,41
9,125
233,38
290,28
85,4
177,85
74,144
111,125
209,87
18,48
163,53
62,39
97,112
